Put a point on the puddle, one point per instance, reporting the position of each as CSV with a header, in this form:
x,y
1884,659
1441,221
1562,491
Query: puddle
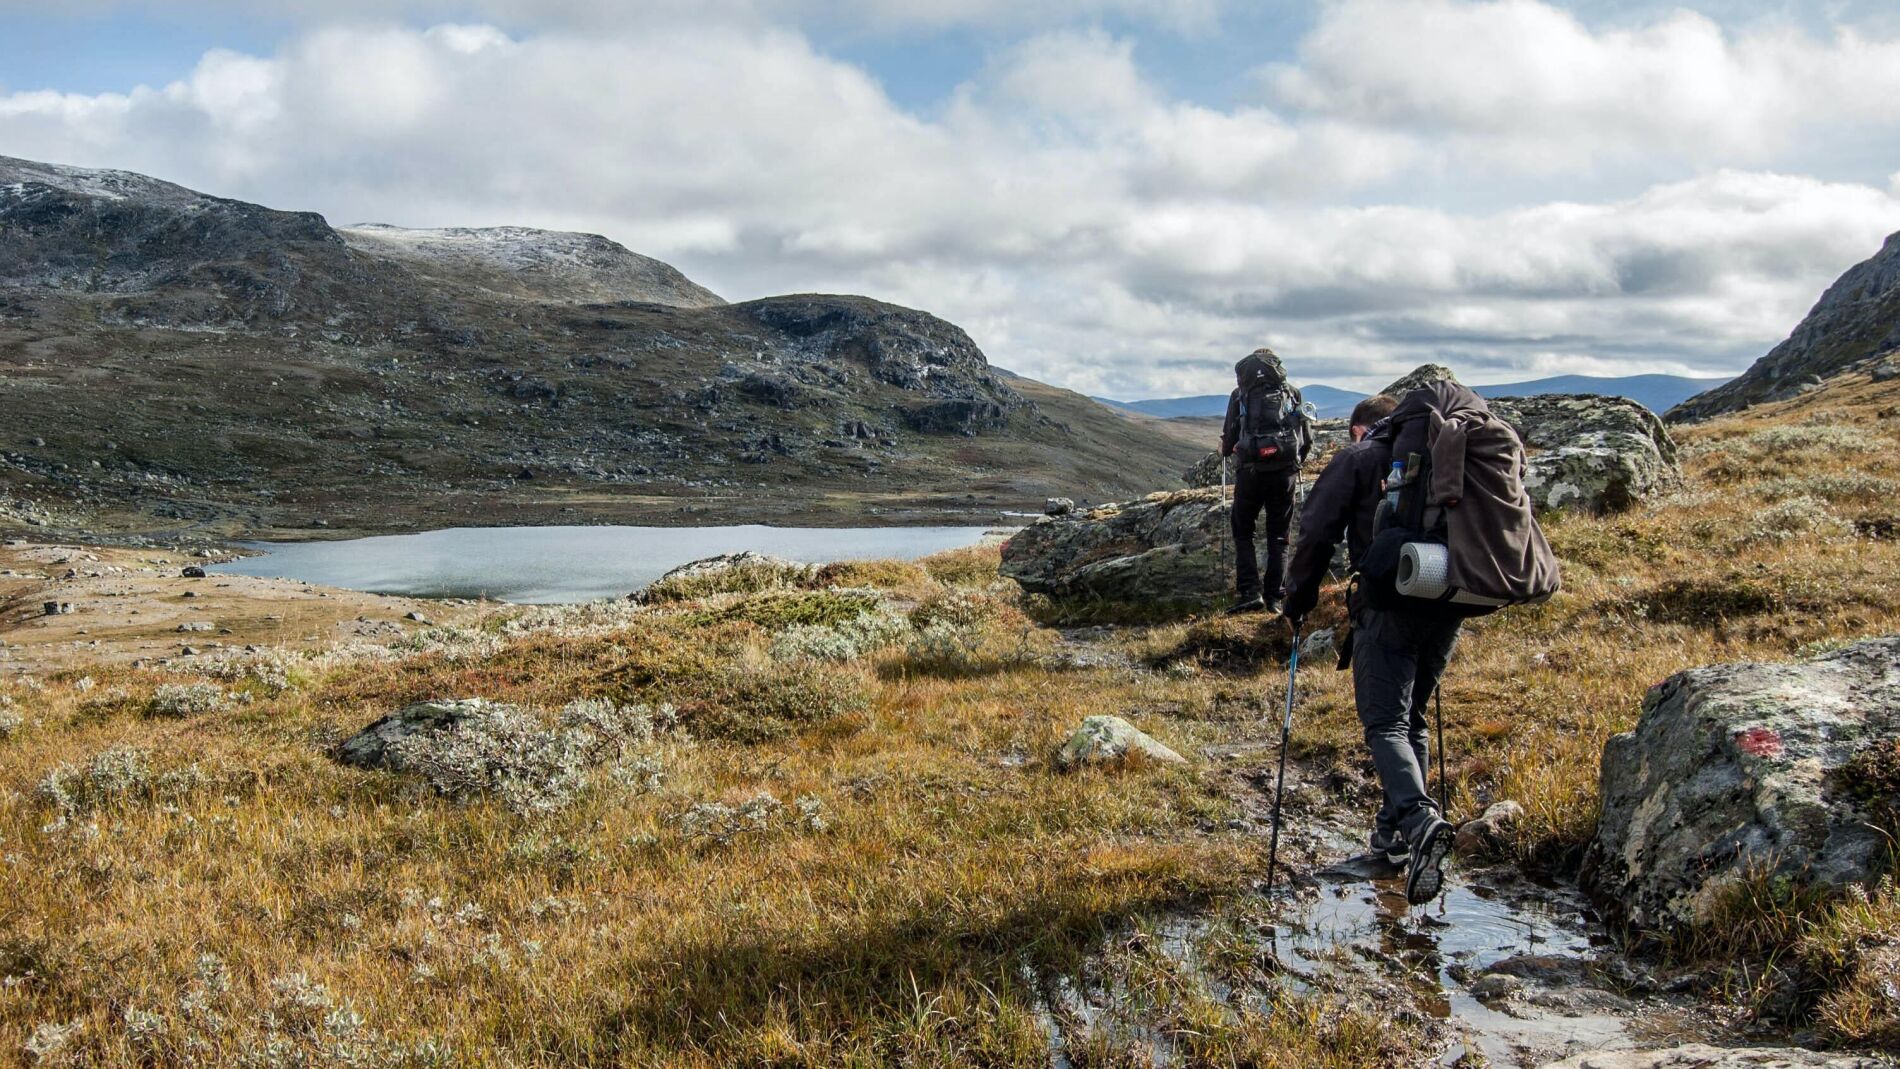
x,y
1534,951
1443,948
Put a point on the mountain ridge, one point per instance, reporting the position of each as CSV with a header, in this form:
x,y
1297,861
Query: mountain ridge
x,y
1855,323
175,358
1656,392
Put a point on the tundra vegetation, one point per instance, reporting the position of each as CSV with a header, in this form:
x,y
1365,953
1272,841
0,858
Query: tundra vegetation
x,y
812,816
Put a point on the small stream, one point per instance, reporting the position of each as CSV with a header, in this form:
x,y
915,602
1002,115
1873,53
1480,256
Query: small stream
x,y
1506,972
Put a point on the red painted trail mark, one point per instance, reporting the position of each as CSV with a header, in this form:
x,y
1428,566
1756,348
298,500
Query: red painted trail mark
x,y
1762,742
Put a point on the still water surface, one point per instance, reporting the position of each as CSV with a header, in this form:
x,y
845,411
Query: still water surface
x,y
548,565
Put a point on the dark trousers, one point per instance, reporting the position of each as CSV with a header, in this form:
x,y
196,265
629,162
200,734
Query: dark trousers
x,y
1398,657
1255,493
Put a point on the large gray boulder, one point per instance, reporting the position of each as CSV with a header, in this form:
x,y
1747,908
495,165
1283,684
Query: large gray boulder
x,y
374,747
1165,550
1747,768
1588,452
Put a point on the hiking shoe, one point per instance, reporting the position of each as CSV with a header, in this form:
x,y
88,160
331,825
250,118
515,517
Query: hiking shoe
x,y
1247,603
1276,606
1395,850
1425,876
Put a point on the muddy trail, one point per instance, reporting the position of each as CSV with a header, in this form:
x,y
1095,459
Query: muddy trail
x,y
1503,969
1500,970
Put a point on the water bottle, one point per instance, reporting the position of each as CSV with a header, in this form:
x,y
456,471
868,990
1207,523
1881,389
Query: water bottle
x,y
1392,484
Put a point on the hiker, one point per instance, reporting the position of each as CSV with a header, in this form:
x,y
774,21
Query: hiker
x,y
1458,488
1266,432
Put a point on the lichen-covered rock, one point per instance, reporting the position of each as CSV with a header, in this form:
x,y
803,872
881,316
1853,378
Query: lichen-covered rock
x,y
1207,472
1701,1056
372,746
1103,740
1746,768
1588,452
1320,645
1170,549
1423,375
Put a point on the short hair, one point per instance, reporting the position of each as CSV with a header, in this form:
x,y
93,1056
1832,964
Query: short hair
x,y
1370,411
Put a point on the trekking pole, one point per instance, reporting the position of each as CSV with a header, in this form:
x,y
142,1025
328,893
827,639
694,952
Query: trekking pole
x,y
1444,794
1286,731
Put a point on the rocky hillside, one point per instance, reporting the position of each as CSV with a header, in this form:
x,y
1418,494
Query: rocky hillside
x,y
174,358
544,265
1855,324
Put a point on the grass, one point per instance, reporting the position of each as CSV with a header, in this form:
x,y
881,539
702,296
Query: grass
x,y
847,844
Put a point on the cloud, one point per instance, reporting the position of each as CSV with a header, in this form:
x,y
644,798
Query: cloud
x,y
1087,226
877,15
1530,85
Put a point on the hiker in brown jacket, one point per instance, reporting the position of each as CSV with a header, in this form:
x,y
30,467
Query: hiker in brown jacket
x,y
1398,653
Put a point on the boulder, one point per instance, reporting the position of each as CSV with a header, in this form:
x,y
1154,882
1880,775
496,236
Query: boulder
x,y
1207,472
1733,770
1588,452
1701,1056
1423,375
1491,831
192,571
1058,506
1168,549
370,747
1106,740
1319,645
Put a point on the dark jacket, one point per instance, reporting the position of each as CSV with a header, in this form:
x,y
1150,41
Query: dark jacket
x,y
1230,426
1342,503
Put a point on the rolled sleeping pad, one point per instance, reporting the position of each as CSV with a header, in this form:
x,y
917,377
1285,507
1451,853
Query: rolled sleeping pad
x,y
1425,572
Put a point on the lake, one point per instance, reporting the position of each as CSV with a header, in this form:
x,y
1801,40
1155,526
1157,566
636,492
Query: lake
x,y
551,565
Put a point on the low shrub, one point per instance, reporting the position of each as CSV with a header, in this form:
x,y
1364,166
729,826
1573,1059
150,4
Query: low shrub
x,y
876,574
844,641
187,699
778,610
971,566
749,573
748,703
506,753
114,776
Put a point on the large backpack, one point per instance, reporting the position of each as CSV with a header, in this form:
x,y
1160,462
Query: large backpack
x,y
1272,434
1456,531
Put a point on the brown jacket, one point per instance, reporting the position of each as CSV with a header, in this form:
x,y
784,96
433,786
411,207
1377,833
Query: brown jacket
x,y
1497,548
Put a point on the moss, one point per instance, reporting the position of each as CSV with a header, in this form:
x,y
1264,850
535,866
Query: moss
x,y
1704,602
780,610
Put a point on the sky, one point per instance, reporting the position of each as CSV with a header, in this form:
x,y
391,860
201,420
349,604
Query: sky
x,y
1122,197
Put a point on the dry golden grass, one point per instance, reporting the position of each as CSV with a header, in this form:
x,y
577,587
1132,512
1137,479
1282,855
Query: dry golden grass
x,y
233,893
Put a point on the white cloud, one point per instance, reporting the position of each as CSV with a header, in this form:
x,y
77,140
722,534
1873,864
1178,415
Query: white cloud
x,y
1086,226
1523,82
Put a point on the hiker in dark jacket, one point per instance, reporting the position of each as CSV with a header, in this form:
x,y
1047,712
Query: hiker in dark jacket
x,y
1267,434
1397,655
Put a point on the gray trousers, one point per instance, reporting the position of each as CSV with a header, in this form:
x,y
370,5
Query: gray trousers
x,y
1398,657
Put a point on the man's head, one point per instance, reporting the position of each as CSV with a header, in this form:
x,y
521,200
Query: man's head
x,y
1367,414
1262,362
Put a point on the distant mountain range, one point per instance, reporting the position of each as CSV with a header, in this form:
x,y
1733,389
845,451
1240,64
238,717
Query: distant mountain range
x,y
1659,393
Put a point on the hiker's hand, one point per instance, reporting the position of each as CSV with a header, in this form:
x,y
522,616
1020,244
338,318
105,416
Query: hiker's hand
x,y
1299,602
